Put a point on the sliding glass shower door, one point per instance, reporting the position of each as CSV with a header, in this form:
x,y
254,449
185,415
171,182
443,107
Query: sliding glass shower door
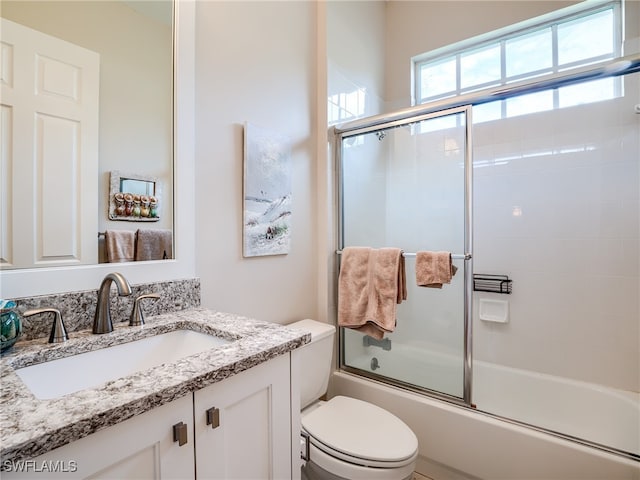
x,y
407,185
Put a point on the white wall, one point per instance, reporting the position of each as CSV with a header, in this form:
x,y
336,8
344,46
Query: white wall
x,y
256,62
355,50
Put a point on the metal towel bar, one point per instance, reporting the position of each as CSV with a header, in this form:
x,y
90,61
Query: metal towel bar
x,y
461,256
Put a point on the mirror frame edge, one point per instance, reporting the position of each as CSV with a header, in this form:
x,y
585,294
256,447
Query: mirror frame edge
x,y
51,280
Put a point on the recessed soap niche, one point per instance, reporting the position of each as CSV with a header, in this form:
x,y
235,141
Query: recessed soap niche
x,y
494,310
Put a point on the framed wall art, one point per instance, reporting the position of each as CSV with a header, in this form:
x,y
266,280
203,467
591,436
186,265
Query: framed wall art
x,y
267,192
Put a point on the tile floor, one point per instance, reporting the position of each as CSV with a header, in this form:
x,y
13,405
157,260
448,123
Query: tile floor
x,y
417,476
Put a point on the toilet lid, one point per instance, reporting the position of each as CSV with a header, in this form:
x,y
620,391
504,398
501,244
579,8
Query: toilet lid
x,y
362,430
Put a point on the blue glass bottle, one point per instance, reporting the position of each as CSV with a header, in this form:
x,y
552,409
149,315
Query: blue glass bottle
x,y
10,324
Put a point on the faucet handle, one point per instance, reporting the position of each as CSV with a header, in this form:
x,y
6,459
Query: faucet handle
x,y
137,316
58,331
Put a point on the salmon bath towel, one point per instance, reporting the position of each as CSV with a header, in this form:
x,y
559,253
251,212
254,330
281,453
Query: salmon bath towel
x,y
433,269
372,282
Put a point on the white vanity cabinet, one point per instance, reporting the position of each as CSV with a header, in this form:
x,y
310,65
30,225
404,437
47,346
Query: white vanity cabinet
x,y
247,432
240,428
141,447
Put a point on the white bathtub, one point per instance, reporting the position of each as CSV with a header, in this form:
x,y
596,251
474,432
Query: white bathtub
x,y
456,442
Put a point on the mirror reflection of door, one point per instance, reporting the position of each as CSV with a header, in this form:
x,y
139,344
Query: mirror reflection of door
x,y
50,96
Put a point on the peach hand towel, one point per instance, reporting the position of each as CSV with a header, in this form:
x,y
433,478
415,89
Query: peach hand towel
x,y
433,269
120,245
370,285
154,244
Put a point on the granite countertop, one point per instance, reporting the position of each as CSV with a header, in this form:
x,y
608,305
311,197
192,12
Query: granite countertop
x,y
30,427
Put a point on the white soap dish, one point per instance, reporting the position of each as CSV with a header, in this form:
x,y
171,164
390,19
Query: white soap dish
x,y
494,310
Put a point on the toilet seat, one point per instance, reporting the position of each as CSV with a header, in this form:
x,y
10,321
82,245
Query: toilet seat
x,y
361,433
339,469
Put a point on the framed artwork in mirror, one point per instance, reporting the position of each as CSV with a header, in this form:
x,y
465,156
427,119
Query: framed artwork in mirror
x,y
134,197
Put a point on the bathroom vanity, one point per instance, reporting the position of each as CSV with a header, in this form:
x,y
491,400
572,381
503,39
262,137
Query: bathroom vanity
x,y
224,412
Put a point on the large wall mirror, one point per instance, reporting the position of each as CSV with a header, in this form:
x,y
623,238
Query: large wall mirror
x,y
57,213
26,282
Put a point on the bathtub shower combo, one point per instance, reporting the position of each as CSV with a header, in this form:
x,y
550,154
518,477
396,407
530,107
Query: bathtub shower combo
x,y
539,327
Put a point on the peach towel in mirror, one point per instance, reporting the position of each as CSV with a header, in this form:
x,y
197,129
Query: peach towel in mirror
x,y
120,245
154,244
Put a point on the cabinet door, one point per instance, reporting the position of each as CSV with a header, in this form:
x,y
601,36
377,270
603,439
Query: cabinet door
x,y
139,448
250,436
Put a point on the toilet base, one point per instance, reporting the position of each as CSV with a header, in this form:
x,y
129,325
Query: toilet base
x,y
311,471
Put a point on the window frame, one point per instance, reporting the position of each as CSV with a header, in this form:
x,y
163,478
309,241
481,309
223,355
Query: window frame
x,y
520,30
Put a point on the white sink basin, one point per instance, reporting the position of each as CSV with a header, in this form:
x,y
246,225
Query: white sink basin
x,y
78,372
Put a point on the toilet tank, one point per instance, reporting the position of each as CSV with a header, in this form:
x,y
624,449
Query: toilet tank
x,y
315,358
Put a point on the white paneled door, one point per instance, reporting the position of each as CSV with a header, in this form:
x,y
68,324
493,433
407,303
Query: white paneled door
x,y
49,151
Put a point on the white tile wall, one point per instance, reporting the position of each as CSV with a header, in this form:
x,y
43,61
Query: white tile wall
x,y
573,176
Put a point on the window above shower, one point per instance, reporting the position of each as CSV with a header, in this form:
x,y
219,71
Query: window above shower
x,y
561,41
346,106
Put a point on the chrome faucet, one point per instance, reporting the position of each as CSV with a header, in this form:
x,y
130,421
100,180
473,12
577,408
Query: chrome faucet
x,y
102,321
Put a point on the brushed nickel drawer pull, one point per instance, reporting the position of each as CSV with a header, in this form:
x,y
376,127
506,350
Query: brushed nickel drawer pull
x,y
213,417
180,433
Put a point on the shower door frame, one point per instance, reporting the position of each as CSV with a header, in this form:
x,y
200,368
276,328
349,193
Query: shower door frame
x,y
467,255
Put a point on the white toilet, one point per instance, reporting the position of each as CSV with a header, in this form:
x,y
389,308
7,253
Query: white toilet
x,y
348,438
